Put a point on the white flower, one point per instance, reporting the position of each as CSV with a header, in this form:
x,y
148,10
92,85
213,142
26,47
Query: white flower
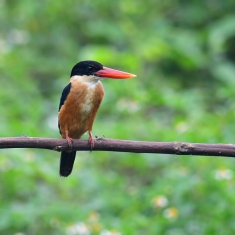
x,y
171,213
79,228
160,201
221,174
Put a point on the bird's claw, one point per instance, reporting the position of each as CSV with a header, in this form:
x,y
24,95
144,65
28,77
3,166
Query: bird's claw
x,y
91,140
69,140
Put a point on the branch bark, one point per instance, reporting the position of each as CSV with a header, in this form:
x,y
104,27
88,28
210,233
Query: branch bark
x,y
102,144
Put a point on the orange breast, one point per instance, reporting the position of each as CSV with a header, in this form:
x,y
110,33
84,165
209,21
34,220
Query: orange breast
x,y
79,110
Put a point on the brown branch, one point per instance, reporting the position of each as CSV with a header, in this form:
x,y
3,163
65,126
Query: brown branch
x,y
102,144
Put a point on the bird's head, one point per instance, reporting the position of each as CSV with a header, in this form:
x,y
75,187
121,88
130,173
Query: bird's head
x,y
95,69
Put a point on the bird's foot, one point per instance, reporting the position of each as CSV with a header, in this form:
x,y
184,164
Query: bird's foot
x,y
69,140
91,140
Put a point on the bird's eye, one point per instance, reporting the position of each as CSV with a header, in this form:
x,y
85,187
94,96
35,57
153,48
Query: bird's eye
x,y
90,68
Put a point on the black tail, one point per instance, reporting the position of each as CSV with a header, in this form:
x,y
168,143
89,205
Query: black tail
x,y
66,163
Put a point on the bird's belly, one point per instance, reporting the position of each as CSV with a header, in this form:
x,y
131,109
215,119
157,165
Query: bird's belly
x,y
78,123
78,113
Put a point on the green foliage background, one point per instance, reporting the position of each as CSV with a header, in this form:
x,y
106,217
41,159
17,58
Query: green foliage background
x,y
183,55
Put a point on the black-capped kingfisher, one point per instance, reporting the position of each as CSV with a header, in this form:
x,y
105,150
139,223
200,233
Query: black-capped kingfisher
x,y
79,103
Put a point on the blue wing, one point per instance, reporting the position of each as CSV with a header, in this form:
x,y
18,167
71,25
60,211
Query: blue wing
x,y
63,98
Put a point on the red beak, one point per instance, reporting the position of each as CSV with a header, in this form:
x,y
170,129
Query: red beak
x,y
113,73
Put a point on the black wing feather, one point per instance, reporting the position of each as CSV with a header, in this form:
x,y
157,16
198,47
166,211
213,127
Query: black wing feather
x,y
64,97
64,94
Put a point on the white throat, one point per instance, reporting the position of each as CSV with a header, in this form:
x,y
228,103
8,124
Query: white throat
x,y
85,78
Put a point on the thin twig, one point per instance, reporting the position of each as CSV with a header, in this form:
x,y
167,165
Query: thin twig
x,y
102,144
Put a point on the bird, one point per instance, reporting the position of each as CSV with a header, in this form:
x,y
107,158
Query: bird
x,y
79,103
